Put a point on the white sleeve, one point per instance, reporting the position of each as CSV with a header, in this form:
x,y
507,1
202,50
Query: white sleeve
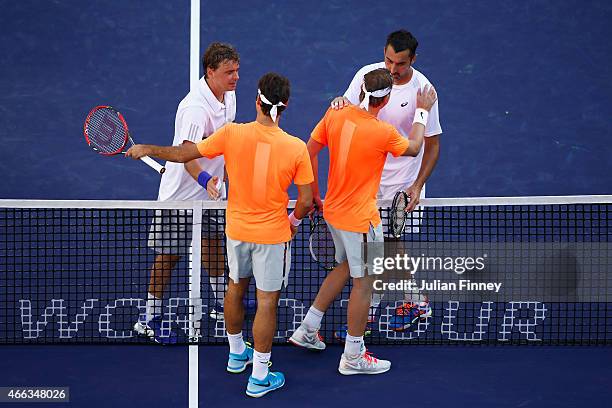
x,y
195,125
354,89
433,122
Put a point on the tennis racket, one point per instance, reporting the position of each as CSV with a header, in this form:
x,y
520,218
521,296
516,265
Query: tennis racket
x,y
321,243
106,132
398,213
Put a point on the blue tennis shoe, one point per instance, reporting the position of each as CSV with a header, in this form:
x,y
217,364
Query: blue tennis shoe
x,y
237,363
259,388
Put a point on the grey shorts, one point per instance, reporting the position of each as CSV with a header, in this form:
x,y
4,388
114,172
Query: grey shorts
x,y
350,247
171,230
268,263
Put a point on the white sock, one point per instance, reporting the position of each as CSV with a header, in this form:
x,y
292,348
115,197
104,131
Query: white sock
x,y
154,307
236,343
313,318
217,284
260,364
352,346
374,303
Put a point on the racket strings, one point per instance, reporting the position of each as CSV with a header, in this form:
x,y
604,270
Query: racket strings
x,y
106,131
398,214
322,244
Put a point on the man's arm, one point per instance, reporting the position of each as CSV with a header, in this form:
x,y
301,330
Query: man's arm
x,y
177,154
424,101
194,170
415,139
314,148
430,159
303,205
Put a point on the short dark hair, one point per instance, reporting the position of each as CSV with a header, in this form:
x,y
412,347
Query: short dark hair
x,y
218,52
276,88
402,40
374,80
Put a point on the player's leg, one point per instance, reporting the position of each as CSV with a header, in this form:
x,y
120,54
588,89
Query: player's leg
x,y
241,354
271,270
415,305
169,237
213,261
159,280
239,258
355,359
307,334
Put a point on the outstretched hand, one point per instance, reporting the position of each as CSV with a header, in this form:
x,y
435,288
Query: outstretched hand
x,y
340,102
137,151
426,97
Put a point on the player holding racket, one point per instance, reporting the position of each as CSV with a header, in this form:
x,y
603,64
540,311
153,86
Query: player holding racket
x,y
262,161
204,110
402,173
358,145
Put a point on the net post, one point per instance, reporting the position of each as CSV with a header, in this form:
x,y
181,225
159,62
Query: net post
x,y
195,301
194,52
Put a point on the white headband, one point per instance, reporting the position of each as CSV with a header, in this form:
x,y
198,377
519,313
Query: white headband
x,y
274,110
377,94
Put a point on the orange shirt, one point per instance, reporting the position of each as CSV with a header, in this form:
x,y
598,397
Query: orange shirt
x,y
261,163
358,145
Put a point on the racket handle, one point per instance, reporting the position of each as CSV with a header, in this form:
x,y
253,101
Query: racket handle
x,y
155,165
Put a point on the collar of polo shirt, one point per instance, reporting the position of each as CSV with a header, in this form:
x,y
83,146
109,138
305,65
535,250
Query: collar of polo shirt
x,y
210,97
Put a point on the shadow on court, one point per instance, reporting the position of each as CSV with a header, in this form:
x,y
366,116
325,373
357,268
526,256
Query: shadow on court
x,y
143,376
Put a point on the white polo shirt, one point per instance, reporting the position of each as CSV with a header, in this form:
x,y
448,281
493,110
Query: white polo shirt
x,y
198,116
399,171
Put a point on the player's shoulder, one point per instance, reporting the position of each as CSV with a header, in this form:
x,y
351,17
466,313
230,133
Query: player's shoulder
x,y
291,143
420,78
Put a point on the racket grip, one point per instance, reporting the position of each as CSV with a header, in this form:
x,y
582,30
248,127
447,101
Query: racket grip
x,y
155,165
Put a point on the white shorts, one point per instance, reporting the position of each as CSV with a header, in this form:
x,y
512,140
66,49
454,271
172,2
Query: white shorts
x,y
349,247
268,263
414,220
171,230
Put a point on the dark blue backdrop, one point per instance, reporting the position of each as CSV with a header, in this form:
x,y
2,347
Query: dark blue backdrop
x,y
524,87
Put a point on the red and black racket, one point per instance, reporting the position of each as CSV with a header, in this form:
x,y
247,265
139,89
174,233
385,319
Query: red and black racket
x,y
106,132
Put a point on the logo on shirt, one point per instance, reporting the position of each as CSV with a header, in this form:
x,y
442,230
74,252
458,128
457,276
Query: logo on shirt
x,y
422,117
404,104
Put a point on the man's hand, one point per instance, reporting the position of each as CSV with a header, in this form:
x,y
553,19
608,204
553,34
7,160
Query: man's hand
x,y
294,230
211,188
318,204
138,151
340,102
414,193
426,98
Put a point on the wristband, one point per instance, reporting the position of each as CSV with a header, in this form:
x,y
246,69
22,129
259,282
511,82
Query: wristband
x,y
203,178
420,116
294,221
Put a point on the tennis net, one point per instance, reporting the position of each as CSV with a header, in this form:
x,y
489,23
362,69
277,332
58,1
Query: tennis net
x,y
528,270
